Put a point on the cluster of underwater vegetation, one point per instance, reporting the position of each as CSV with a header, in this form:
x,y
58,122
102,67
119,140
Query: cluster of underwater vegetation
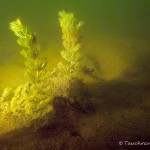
x,y
35,65
71,29
34,99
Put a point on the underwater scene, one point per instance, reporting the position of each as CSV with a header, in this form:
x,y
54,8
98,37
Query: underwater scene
x,y
74,75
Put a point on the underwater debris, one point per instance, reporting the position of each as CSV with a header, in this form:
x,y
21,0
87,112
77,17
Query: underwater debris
x,y
71,29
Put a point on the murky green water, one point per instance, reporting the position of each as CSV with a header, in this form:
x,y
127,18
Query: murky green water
x,y
115,34
116,43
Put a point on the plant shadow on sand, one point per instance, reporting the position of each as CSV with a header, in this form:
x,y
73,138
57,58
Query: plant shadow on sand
x,y
121,113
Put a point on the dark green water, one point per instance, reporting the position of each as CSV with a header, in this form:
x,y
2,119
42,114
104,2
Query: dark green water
x,y
116,32
129,17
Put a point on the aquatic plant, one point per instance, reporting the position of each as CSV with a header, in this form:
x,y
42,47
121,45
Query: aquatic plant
x,y
33,100
72,88
27,102
72,43
35,65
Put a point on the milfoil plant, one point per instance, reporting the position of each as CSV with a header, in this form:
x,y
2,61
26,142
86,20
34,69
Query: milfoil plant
x,y
35,65
71,29
32,100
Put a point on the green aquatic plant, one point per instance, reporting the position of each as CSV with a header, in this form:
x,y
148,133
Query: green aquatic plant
x,y
71,29
74,90
35,65
31,101
34,99
27,102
